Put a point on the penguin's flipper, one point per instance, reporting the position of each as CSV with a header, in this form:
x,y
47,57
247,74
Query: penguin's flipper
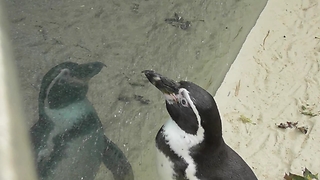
x,y
39,130
116,161
39,134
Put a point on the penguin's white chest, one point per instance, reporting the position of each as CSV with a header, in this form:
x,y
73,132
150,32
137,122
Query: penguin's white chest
x,y
180,143
64,119
83,153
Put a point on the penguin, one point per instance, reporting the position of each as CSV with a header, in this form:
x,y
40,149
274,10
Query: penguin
x,y
68,139
190,145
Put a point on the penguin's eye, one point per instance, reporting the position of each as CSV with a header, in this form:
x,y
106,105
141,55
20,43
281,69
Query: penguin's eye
x,y
63,76
61,81
65,73
184,102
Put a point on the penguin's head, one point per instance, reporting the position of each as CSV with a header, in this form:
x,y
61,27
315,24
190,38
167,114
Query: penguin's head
x,y
190,106
66,83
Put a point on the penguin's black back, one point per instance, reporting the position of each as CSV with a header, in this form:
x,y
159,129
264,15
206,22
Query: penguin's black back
x,y
221,163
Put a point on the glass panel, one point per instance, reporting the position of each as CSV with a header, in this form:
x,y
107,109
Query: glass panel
x,y
183,40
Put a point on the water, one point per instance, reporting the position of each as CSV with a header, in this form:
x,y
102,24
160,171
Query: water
x,y
128,36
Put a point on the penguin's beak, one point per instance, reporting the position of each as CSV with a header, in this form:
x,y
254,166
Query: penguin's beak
x,y
164,84
84,72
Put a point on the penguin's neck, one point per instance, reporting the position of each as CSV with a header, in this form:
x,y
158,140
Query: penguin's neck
x,y
69,115
178,140
213,133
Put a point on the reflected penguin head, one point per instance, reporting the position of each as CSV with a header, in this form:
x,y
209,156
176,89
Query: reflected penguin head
x,y
67,82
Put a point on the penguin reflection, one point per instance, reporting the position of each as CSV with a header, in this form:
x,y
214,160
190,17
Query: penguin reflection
x,y
68,139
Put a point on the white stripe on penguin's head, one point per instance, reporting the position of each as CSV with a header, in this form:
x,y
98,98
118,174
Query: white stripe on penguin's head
x,y
184,94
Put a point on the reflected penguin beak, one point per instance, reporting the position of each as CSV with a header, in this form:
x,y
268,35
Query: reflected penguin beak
x,y
86,71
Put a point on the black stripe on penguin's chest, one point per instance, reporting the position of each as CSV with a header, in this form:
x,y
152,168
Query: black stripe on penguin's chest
x,y
180,165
